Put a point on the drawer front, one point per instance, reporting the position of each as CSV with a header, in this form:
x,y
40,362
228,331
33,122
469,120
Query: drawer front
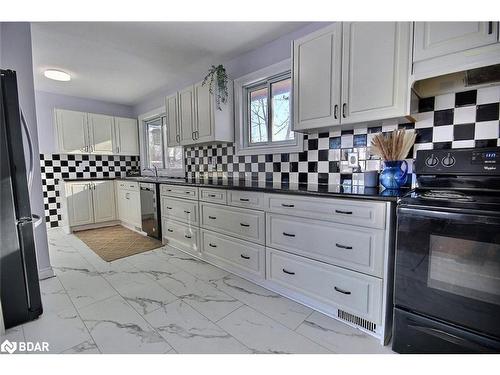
x,y
213,195
357,248
246,199
238,222
179,191
232,253
362,212
180,209
350,291
128,185
182,236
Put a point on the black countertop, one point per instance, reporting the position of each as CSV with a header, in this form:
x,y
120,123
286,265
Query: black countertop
x,y
324,190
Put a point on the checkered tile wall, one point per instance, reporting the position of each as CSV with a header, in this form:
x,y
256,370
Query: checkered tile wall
x,y
56,167
457,120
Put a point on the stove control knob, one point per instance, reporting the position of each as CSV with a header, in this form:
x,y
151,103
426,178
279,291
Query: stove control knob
x,y
431,161
448,161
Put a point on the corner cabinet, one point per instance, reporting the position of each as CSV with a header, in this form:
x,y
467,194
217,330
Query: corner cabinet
x,y
351,72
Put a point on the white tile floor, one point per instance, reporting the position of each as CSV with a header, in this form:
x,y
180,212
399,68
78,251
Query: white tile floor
x,y
164,301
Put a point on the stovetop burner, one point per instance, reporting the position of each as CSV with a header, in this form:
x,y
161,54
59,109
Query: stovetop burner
x,y
447,195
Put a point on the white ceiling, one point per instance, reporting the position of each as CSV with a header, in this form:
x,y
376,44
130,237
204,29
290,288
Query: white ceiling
x,y
122,62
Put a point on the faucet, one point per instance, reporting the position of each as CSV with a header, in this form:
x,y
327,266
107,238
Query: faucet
x,y
154,170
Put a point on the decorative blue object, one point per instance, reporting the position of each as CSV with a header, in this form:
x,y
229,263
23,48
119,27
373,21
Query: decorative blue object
x,y
393,176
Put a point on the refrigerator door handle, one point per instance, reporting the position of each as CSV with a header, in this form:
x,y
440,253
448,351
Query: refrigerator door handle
x,y
20,228
30,146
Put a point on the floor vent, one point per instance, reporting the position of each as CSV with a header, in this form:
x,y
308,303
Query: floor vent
x,y
372,327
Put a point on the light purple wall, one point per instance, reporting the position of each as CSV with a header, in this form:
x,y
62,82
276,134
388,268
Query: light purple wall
x,y
46,102
256,59
16,55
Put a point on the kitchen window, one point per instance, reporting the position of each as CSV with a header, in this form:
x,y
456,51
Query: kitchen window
x,y
264,112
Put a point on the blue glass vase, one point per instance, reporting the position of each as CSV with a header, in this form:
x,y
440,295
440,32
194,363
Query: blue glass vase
x,y
393,176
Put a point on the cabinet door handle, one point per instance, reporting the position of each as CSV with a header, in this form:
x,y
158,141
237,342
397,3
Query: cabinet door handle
x,y
343,246
187,212
170,230
177,138
212,217
244,199
127,196
192,136
341,290
169,208
244,225
287,205
244,256
212,245
335,111
288,272
288,234
187,236
490,28
118,149
343,212
343,109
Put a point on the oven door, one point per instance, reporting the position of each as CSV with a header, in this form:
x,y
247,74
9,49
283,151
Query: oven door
x,y
448,267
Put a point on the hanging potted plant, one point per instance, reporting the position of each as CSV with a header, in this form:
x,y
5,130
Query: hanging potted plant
x,y
217,84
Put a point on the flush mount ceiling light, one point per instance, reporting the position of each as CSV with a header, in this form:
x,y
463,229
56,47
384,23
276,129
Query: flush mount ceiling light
x,y
57,75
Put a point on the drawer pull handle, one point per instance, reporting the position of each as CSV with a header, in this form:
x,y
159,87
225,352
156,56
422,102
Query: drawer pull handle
x,y
244,256
212,195
169,208
343,212
212,245
288,234
343,246
187,192
288,272
341,290
244,225
187,236
187,212
212,217
288,205
170,230
244,199
169,189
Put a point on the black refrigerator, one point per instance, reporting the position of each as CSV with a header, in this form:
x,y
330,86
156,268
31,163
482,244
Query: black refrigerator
x,y
19,286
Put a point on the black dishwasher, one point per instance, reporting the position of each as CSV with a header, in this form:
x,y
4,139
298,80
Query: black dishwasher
x,y
150,210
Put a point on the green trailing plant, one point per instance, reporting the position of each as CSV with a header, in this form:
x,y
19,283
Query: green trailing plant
x,y
217,84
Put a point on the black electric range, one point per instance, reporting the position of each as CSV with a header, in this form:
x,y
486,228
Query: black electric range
x,y
447,273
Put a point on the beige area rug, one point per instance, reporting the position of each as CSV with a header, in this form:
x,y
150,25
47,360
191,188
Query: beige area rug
x,y
116,242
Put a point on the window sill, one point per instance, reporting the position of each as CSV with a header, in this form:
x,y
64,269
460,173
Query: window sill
x,y
270,149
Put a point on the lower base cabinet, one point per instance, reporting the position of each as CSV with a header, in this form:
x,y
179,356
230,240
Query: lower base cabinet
x,y
182,236
129,203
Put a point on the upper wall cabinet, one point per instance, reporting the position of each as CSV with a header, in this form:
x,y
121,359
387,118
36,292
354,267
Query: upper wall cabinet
x,y
447,47
365,80
82,133
193,117
316,78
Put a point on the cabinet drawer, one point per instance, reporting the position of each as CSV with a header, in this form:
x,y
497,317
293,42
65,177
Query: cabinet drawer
x,y
180,209
128,185
181,235
238,222
233,254
357,248
188,192
246,199
213,195
364,213
350,291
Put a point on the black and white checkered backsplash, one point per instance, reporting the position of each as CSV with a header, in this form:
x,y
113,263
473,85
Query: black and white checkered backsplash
x,y
456,120
56,167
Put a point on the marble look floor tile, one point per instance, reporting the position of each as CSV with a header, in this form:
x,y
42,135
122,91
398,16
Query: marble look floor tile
x,y
190,332
154,265
13,334
339,337
86,347
62,330
118,328
146,297
54,296
264,335
203,297
289,313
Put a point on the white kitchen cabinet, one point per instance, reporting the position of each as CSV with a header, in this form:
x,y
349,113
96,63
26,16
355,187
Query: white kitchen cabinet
x,y
129,203
101,133
375,70
126,136
72,131
79,203
186,115
435,39
103,196
173,130
316,78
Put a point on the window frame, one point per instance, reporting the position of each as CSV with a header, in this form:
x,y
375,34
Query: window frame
x,y
263,78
